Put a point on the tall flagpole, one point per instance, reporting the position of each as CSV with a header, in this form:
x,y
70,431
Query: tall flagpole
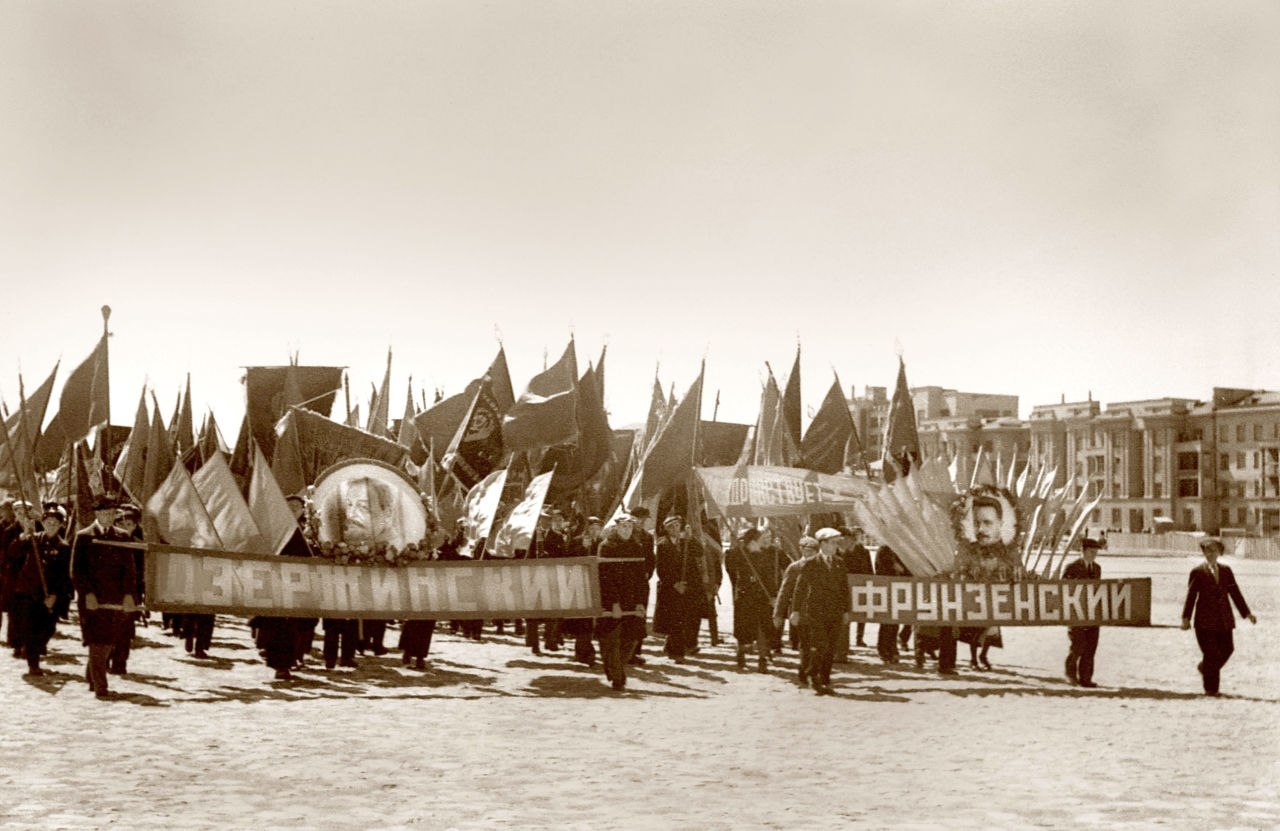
x,y
106,371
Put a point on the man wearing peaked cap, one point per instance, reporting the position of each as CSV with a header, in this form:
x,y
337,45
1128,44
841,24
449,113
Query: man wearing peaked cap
x,y
1084,639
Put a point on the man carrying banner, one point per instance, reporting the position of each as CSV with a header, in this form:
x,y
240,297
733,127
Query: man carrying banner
x,y
1084,639
126,527
1211,589
681,589
622,591
36,562
105,579
755,571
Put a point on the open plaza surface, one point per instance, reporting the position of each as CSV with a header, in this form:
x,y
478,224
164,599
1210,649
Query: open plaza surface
x,y
490,736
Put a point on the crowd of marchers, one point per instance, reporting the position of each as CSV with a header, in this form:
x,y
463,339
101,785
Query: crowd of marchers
x,y
50,575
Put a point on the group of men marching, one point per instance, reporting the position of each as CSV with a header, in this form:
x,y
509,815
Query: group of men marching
x,y
101,569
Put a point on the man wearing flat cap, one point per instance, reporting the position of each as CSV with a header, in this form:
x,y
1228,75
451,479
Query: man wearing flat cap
x,y
1211,589
1084,639
822,601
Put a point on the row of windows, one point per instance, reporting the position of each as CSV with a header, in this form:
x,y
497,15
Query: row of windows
x,y
1243,460
1242,432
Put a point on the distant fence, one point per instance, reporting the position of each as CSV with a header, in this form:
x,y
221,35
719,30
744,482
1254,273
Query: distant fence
x,y
1179,543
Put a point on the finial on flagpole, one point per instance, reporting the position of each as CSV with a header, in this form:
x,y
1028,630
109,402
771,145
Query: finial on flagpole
x,y
497,333
106,315
897,347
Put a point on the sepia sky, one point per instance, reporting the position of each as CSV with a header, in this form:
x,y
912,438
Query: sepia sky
x,y
1049,198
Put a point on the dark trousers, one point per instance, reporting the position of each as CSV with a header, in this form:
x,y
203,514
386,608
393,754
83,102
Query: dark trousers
x,y
304,633
1216,645
96,671
887,642
550,632
340,641
683,637
372,633
1084,643
34,624
947,649
762,637
617,646
198,632
278,637
817,648
119,663
415,638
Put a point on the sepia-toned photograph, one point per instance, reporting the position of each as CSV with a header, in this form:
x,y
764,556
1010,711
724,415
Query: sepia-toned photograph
x,y
615,415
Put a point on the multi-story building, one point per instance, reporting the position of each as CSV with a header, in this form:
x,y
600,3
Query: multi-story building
x,y
1169,462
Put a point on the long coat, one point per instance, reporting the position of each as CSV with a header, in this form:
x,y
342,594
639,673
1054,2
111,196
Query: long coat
x,y
1210,599
623,581
756,577
679,561
108,573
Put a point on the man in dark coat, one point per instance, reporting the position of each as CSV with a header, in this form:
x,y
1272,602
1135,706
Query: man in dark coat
x,y
857,561
822,601
644,533
105,578
1084,639
681,589
1211,589
37,562
887,643
127,519
622,591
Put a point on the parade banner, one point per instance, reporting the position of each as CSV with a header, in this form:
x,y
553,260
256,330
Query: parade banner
x,y
225,582
761,491
929,602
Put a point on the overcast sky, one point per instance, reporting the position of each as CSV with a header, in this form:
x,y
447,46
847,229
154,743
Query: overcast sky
x,y
1035,198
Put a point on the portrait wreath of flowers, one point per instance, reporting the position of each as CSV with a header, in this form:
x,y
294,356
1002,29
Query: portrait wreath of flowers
x,y
365,554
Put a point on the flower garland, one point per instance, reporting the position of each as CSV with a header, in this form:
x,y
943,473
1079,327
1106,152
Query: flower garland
x,y
366,553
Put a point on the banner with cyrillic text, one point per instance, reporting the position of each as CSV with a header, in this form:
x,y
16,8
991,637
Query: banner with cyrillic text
x,y
930,602
225,582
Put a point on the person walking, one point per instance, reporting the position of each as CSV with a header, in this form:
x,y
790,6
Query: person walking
x,y
1211,589
1084,639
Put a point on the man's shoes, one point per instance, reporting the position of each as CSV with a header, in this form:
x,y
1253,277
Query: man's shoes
x,y
536,651
283,675
636,661
1071,676
679,659
742,660
861,642
762,664
201,655
420,663
619,683
35,672
350,662
1087,684
947,672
